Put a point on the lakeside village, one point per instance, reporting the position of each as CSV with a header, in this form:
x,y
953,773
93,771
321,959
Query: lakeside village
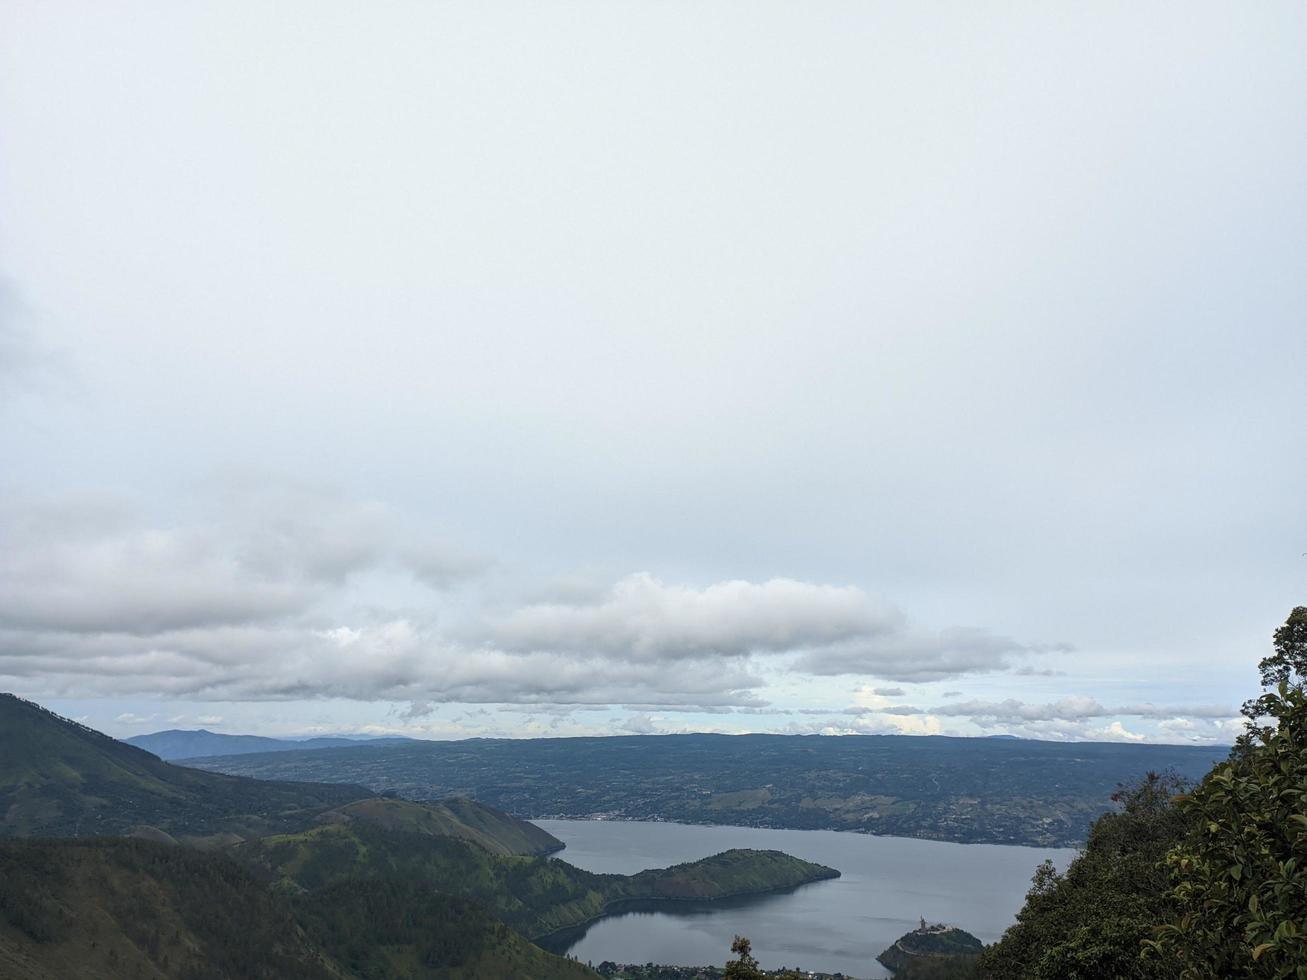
x,y
653,971
927,940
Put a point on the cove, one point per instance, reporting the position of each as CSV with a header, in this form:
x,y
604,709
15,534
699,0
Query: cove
x,y
886,885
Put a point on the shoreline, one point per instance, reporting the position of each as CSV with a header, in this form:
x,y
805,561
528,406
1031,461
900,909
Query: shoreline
x,y
803,830
621,906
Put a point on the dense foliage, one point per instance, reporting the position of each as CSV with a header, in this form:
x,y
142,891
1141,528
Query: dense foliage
x,y
381,929
1202,885
940,968
119,908
534,895
107,908
1089,922
1241,871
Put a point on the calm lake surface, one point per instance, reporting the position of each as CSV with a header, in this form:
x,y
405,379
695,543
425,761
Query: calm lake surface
x,y
830,926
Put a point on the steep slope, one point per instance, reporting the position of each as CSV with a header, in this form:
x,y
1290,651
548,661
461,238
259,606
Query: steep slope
x,y
60,778
108,909
406,930
533,895
175,743
467,820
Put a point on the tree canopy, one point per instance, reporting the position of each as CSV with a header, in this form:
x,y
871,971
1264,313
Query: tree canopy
x,y
1241,870
1208,883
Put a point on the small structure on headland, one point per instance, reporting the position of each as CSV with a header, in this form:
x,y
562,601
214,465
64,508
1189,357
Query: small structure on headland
x,y
930,940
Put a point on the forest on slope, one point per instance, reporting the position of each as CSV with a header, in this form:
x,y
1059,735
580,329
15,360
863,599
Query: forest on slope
x,y
239,877
108,908
1189,882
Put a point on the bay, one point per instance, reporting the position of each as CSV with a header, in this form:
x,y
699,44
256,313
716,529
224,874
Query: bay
x,y
887,884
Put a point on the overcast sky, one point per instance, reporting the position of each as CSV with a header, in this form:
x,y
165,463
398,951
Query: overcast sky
x,y
557,368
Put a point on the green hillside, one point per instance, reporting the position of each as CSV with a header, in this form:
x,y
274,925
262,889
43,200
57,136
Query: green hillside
x,y
534,895
406,930
294,880
741,871
108,909
59,778
467,820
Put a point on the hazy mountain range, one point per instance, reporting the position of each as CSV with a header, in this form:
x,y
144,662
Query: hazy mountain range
x,y
178,744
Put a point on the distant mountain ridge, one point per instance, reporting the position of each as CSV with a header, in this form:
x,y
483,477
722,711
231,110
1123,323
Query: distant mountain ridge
x,y
177,743
969,790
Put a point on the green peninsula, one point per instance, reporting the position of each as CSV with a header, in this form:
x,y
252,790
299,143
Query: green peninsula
x,y
532,894
930,943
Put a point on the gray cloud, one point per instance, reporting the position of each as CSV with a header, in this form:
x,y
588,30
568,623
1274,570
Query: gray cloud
x,y
90,566
245,605
395,661
909,654
640,724
1073,709
646,619
900,709
835,629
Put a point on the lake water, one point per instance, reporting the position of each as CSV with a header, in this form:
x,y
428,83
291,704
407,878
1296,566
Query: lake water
x,y
834,926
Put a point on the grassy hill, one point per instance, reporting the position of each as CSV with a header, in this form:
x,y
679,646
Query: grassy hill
x,y
60,778
107,909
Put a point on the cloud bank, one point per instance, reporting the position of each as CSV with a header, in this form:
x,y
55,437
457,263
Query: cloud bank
x,y
281,592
